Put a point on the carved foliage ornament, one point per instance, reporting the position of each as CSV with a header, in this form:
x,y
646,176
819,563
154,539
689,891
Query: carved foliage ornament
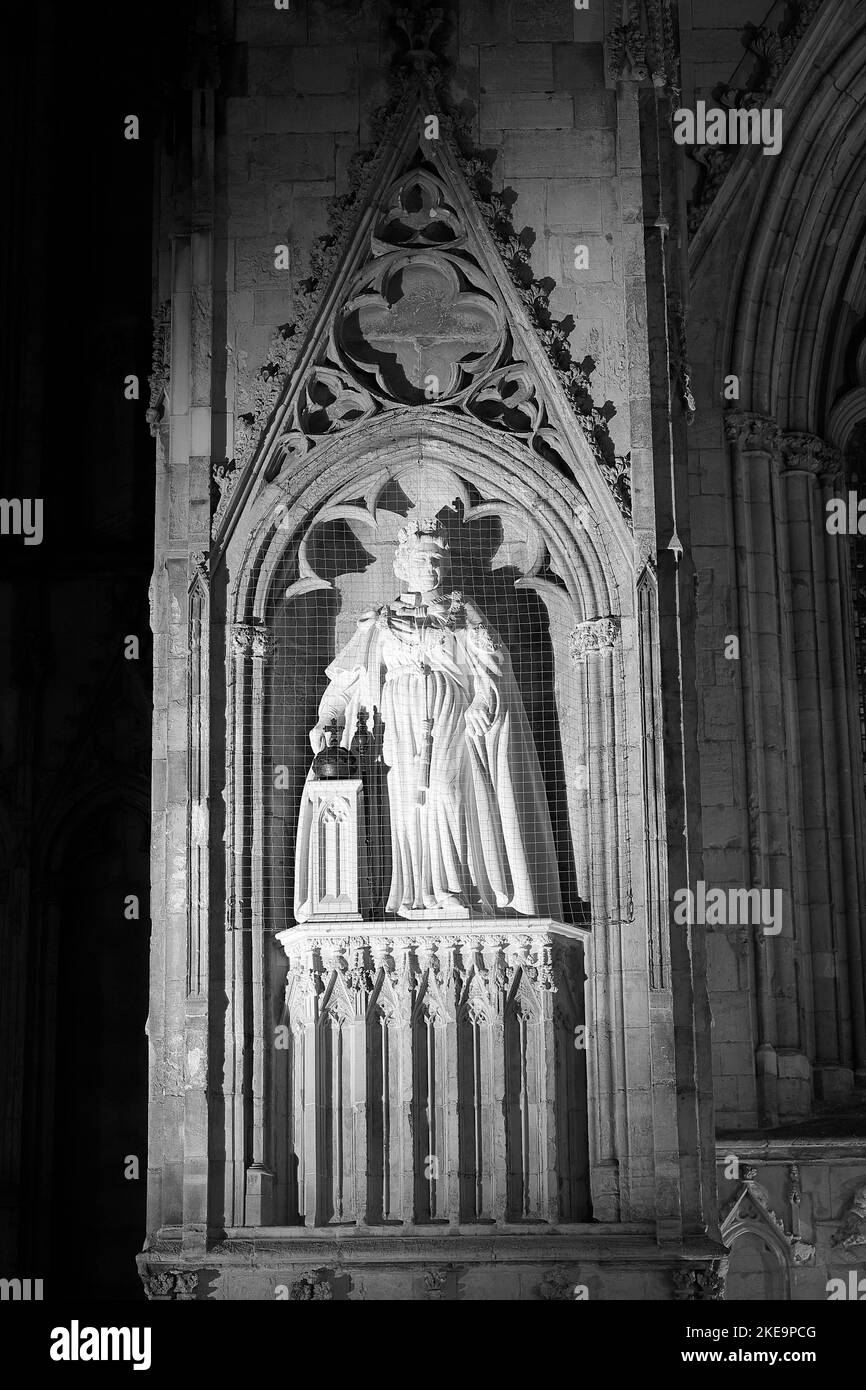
x,y
398,977
252,639
703,1284
772,49
807,453
680,366
594,636
160,366
435,1281
557,1288
310,1287
799,451
179,1285
553,334
224,476
643,42
751,432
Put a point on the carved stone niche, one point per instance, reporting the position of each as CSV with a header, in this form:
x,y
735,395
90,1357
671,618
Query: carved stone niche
x,y
338,568
394,1031
749,1222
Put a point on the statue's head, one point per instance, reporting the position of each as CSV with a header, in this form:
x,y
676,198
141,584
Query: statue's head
x,y
421,557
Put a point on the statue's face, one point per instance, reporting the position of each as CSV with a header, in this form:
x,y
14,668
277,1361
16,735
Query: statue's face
x,y
421,568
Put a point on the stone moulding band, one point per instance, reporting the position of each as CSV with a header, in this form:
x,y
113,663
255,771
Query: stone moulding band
x,y
494,930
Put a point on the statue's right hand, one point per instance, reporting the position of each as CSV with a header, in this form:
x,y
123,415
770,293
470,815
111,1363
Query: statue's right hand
x,y
317,738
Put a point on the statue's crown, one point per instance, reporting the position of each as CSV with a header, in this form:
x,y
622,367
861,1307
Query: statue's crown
x,y
422,528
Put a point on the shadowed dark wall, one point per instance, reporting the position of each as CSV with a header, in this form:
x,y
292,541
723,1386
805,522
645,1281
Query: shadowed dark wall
x,y
75,288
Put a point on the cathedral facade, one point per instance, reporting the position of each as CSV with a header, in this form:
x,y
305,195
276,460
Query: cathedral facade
x,y
508,865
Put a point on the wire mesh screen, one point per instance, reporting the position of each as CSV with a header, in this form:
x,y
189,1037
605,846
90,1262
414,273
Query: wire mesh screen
x,y
435,783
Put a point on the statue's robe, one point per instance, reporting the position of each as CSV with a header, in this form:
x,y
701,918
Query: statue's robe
x,y
476,824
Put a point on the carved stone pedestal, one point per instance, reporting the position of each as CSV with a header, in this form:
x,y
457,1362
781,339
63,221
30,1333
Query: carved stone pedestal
x,y
439,1073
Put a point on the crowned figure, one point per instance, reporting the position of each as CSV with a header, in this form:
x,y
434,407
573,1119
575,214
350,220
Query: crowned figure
x,y
469,820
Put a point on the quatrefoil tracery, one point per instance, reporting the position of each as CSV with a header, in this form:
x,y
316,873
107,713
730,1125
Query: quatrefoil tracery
x,y
421,323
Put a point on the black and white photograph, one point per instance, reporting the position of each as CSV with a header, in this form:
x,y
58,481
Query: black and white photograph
x,y
433,672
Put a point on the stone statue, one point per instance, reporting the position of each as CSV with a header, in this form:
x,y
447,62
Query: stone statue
x,y
470,826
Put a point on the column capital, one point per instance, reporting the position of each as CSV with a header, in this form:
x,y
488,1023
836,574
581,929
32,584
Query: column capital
x,y
252,639
808,453
752,432
593,636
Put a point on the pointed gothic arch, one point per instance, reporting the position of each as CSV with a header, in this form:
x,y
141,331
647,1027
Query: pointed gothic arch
x,y
781,255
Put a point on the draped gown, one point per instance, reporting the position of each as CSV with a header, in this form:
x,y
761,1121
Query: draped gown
x,y
468,810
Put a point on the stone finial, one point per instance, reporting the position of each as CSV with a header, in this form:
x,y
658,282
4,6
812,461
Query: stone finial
x,y
593,636
419,21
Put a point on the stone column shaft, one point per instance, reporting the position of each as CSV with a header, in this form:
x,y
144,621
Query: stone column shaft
x,y
755,440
